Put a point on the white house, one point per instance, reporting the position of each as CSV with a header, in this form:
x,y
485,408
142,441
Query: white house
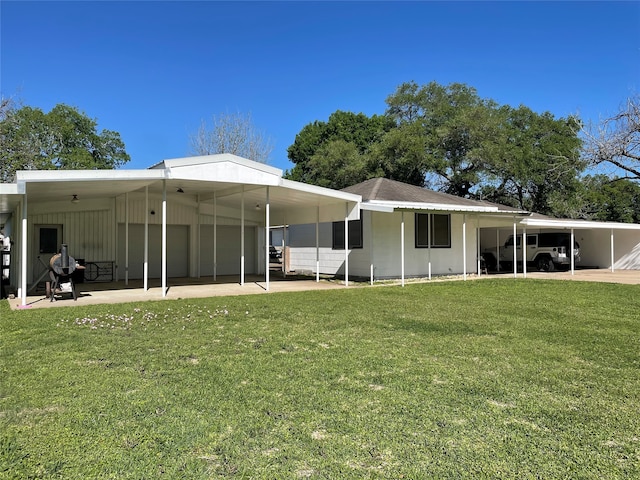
x,y
408,231
212,215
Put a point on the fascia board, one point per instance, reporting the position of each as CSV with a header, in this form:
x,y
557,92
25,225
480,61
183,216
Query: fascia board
x,y
579,224
440,207
32,176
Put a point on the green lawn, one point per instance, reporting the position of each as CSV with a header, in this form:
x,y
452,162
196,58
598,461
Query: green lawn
x,y
479,379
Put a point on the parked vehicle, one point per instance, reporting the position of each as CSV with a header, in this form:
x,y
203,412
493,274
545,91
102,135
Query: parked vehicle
x,y
545,251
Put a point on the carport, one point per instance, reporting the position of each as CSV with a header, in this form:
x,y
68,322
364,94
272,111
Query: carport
x,y
104,213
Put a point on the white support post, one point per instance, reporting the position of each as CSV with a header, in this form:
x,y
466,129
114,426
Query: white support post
x,y
318,244
371,256
164,238
267,219
145,271
23,265
464,246
346,245
524,252
497,249
570,252
215,238
429,220
515,250
198,232
126,238
402,248
478,245
242,236
612,257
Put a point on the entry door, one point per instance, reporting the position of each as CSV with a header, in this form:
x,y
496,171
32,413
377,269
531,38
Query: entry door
x,y
48,240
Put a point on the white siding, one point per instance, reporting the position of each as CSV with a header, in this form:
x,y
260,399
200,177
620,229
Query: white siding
x,y
381,231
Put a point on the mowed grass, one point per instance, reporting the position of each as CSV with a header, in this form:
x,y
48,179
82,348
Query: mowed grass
x,y
479,379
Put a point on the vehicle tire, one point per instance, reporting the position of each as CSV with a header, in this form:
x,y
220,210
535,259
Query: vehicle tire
x,y
490,261
545,264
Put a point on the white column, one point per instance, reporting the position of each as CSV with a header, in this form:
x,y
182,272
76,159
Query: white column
x,y
318,243
198,233
346,245
145,272
242,236
402,248
429,220
126,238
215,237
23,241
164,238
497,249
267,243
612,257
570,252
371,255
478,244
524,252
464,246
515,250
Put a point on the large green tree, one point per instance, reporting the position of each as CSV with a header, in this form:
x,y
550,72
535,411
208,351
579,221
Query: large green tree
x,y
454,122
531,159
356,129
63,138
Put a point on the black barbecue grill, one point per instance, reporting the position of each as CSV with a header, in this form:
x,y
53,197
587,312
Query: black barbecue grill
x,y
61,266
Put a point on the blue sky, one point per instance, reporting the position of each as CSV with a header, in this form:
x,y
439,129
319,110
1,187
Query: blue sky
x,y
152,71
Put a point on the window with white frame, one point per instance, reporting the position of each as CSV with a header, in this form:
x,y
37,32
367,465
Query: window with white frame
x,y
355,235
440,227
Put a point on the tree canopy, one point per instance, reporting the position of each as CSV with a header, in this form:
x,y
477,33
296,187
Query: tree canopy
x,y
63,138
447,138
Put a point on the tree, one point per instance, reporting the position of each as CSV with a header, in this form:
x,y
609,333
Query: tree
x,y
64,138
231,133
454,122
530,159
616,141
356,129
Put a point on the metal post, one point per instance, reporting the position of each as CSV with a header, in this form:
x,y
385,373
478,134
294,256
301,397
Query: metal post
x,y
515,253
524,252
573,261
464,246
402,247
266,239
145,272
164,238
126,238
346,245
23,241
612,257
242,236
215,237
318,244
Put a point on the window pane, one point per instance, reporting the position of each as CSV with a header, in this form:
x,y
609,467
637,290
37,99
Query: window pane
x,y
422,222
440,232
338,236
48,240
355,235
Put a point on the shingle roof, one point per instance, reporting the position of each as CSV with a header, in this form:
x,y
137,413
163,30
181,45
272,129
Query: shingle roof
x,y
394,191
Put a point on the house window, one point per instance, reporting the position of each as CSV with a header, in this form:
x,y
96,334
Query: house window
x,y
440,227
355,234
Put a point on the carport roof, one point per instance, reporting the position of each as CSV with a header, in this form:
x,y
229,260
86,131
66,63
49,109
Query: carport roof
x,y
224,176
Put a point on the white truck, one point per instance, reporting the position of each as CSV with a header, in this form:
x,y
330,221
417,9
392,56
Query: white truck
x,y
545,251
